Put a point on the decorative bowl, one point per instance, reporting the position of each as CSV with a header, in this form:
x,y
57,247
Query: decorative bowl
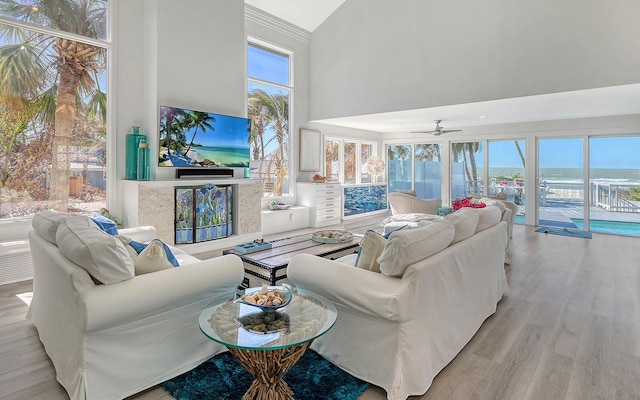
x,y
332,236
285,290
265,322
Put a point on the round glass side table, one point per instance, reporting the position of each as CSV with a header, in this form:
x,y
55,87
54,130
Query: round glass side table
x,y
268,343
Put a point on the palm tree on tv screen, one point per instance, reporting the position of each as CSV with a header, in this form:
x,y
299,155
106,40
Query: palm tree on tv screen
x,y
198,120
59,74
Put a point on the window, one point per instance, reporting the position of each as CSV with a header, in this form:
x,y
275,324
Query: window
x,y
345,160
466,169
52,111
269,100
428,167
399,168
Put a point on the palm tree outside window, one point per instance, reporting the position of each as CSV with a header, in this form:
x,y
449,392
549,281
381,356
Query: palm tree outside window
x,y
269,97
52,106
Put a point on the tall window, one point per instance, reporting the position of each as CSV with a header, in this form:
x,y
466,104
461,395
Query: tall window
x,y
428,166
399,168
345,160
466,169
53,107
269,100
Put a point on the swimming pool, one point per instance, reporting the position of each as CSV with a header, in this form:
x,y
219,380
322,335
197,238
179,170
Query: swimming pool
x,y
597,225
616,227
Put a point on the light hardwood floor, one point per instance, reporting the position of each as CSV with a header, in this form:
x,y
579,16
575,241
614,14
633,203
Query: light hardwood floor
x,y
569,329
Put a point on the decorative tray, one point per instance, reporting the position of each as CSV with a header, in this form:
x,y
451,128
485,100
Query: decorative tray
x,y
332,236
252,247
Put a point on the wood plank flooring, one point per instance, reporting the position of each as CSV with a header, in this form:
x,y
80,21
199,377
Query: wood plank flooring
x,y
569,329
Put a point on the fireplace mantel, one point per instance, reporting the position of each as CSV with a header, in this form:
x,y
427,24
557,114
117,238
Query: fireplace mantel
x,y
152,203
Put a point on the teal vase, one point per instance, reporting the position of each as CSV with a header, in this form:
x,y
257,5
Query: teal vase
x,y
143,161
133,143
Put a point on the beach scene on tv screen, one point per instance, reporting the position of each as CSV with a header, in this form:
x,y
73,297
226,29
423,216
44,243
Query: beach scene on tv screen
x,y
202,139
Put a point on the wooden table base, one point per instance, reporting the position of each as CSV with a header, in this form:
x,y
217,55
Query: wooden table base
x,y
268,367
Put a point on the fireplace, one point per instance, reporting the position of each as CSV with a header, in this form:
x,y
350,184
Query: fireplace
x,y
203,213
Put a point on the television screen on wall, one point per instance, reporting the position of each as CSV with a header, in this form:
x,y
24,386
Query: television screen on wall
x,y
190,138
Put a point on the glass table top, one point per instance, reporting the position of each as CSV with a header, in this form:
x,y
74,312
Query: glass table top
x,y
244,326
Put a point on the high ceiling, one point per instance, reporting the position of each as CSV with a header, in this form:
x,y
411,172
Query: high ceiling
x,y
618,100
306,14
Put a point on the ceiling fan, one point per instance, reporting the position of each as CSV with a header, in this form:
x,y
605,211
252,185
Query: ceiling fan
x,y
438,130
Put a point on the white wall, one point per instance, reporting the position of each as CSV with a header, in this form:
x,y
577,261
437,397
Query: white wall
x,y
375,56
187,54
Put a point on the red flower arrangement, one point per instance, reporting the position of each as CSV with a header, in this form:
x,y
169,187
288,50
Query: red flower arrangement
x,y
466,202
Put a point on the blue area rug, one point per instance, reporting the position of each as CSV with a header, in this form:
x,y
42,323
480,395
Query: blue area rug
x,y
565,232
223,378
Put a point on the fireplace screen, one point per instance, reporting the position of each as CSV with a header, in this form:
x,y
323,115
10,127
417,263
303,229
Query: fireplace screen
x,y
203,213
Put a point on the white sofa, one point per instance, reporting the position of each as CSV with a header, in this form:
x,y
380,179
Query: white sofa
x,y
109,341
399,332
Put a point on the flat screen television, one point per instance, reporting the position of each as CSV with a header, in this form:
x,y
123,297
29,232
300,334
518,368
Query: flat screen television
x,y
190,138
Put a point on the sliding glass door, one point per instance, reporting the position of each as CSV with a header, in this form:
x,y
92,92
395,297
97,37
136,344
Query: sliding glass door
x,y
614,187
507,173
560,183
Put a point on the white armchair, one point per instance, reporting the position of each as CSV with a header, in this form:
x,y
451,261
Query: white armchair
x,y
402,203
109,341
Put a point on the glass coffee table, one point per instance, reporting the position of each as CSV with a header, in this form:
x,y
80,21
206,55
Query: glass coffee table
x,y
268,343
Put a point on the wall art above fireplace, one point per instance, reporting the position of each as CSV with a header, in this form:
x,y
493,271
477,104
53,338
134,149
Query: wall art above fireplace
x,y
203,213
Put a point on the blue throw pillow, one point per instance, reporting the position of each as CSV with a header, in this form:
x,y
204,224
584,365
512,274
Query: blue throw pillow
x,y
138,247
104,223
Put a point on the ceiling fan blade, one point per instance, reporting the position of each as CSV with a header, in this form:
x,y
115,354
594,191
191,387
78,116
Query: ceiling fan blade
x,y
451,130
431,132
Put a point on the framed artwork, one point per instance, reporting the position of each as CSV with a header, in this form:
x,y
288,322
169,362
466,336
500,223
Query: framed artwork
x,y
310,150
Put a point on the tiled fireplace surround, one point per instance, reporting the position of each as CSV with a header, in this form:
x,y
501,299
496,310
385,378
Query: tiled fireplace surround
x,y
152,203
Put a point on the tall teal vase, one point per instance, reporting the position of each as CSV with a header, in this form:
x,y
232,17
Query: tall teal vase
x,y
133,143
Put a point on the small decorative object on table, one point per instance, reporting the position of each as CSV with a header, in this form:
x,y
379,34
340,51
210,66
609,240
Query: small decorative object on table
x,y
276,205
332,236
252,247
317,178
444,211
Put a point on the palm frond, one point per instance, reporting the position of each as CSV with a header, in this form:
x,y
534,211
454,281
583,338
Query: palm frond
x,y
22,70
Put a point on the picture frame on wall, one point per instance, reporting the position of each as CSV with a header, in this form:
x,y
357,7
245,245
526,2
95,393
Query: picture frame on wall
x,y
310,150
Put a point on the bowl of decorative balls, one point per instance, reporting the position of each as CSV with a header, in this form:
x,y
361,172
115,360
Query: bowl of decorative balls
x,y
267,298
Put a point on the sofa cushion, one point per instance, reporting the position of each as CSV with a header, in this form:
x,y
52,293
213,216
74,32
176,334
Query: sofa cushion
x,y
371,247
46,222
408,246
103,256
465,222
409,192
488,217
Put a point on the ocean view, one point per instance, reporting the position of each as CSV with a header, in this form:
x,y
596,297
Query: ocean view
x,y
223,156
568,175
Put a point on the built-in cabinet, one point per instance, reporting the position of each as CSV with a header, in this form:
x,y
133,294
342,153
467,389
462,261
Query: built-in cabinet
x,y
324,201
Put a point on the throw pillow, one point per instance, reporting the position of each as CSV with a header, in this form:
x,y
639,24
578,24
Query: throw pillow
x,y
104,223
136,248
488,217
46,222
371,247
154,257
465,222
412,245
103,256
